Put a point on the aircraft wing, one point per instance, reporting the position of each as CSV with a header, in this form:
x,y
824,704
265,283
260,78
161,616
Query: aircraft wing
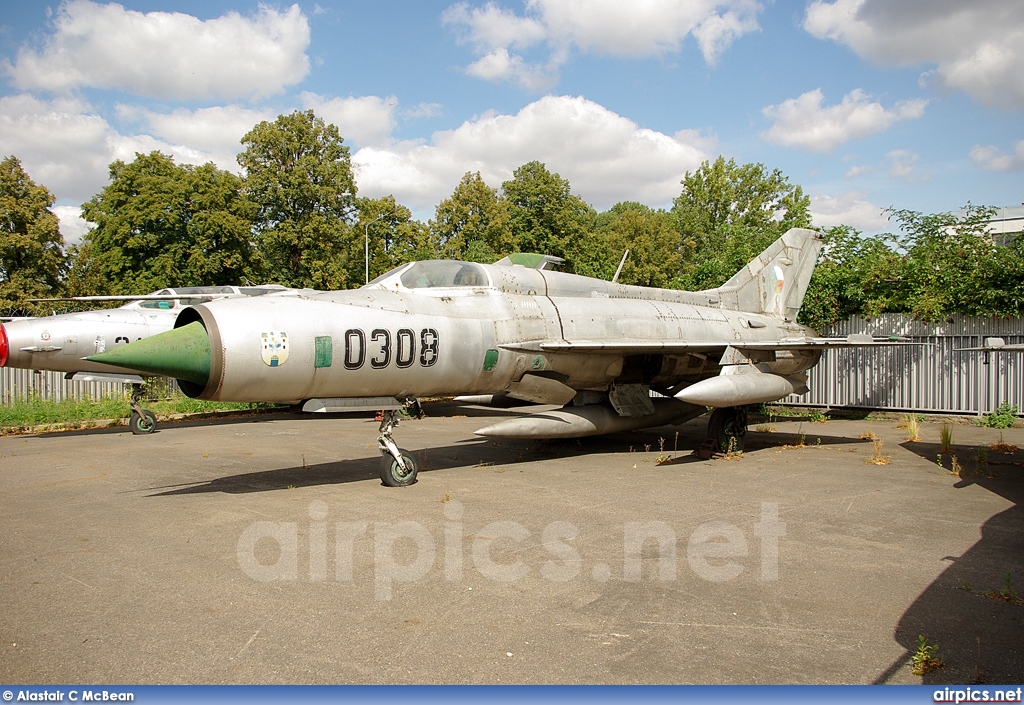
x,y
994,345
634,347
127,297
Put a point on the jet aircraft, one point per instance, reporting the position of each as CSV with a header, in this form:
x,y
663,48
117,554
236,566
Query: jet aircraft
x,y
442,327
60,342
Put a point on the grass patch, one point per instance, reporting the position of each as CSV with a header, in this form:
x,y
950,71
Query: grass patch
x,y
36,411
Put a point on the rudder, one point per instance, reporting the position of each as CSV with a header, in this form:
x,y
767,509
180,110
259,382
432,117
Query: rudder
x,y
775,281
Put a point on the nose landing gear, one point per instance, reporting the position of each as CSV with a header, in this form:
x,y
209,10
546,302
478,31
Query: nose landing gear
x,y
397,467
141,421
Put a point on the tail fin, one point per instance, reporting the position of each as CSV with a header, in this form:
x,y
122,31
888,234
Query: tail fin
x,y
776,280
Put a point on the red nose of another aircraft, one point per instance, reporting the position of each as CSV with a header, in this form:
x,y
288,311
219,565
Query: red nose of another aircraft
x,y
3,345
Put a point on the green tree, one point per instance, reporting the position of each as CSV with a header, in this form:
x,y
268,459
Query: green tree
x,y
653,244
159,224
853,276
32,260
728,213
930,267
299,176
394,238
951,263
545,217
473,223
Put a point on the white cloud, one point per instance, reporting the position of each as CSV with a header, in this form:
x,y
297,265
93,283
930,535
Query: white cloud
x,y
167,55
647,28
212,134
499,65
991,158
848,209
67,147
366,121
602,27
902,164
423,110
855,172
72,227
606,157
976,47
803,122
492,27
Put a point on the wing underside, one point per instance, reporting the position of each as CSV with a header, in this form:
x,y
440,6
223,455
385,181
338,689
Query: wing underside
x,y
642,347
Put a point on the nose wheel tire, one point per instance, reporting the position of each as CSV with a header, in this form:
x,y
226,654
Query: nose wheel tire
x,y
141,424
394,475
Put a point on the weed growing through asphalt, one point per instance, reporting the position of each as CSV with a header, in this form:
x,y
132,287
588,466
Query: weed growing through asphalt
x,y
913,429
1003,417
877,457
662,458
731,453
926,658
1005,593
1001,447
955,467
946,438
981,460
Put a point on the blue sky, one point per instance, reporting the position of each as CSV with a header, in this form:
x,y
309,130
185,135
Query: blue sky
x,y
866,104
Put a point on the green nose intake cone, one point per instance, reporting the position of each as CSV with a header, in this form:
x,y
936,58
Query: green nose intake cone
x,y
182,353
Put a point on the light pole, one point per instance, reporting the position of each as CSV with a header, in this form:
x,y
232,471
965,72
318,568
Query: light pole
x,y
366,242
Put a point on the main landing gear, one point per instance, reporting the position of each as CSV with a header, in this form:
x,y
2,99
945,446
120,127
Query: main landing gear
x,y
397,467
727,428
141,421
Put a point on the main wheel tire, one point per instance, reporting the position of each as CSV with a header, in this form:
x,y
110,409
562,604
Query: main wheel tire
x,y
141,425
727,427
393,475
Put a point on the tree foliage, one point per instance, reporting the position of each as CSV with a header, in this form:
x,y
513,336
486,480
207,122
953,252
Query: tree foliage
x,y
654,254
727,213
473,223
32,260
931,266
299,177
545,216
160,224
392,235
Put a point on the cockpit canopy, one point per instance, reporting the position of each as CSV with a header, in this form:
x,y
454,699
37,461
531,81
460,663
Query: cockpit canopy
x,y
203,294
436,273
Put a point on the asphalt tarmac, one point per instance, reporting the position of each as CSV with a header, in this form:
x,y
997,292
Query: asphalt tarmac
x,y
263,549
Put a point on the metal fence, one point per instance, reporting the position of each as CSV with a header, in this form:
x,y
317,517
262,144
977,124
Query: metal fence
x,y
21,385
929,378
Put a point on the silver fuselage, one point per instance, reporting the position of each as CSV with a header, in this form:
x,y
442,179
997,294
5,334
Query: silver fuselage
x,y
61,342
405,336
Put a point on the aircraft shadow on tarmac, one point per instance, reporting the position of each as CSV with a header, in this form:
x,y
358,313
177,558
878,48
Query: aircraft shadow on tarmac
x,y
965,610
676,443
266,415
